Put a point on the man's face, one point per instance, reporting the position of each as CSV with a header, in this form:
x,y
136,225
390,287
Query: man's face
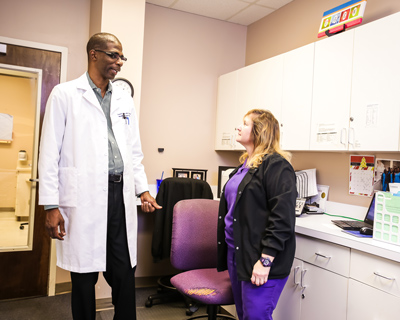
x,y
107,66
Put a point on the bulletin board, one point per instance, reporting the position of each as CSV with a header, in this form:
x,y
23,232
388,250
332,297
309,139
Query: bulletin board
x,y
361,182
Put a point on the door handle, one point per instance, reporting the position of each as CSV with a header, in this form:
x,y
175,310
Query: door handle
x,y
382,276
343,133
303,272
294,275
34,180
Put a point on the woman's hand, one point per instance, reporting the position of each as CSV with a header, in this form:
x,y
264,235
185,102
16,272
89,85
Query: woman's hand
x,y
260,273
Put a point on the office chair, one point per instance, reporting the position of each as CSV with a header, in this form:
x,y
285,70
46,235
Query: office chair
x,y
194,249
171,191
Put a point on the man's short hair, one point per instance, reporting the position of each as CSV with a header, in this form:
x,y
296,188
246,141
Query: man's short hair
x,y
100,40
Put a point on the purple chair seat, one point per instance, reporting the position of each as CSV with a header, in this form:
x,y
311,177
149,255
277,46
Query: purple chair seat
x,y
207,286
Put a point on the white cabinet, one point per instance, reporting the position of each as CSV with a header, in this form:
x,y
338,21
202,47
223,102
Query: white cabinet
x,y
317,286
227,113
340,93
368,303
258,86
332,92
375,100
374,287
296,98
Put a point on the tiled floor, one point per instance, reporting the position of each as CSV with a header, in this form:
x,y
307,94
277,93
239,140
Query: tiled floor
x,y
10,232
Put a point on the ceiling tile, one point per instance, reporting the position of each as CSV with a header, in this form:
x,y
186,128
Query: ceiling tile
x,y
275,4
218,9
250,15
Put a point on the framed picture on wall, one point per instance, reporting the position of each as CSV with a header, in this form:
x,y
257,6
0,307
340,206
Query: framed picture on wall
x,y
182,174
198,175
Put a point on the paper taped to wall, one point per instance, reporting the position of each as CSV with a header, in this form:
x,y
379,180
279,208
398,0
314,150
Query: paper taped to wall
x,y
6,126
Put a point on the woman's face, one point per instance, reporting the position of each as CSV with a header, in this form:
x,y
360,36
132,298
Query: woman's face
x,y
245,136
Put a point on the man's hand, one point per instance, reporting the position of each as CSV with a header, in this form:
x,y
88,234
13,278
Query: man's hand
x,y
260,273
54,220
149,204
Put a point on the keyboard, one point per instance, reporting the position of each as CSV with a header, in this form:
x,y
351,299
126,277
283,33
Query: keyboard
x,y
350,224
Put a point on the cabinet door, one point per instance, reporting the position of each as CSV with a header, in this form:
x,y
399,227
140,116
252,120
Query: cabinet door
x,y
324,296
368,303
375,103
260,87
296,98
331,92
227,114
288,306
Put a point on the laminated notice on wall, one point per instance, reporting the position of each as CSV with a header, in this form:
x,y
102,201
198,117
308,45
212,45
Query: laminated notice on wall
x,y
6,126
362,175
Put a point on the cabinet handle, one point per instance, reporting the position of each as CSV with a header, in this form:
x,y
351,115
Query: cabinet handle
x,y
294,275
343,133
322,256
387,278
303,272
351,136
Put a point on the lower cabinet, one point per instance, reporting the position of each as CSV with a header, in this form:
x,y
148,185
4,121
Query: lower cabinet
x,y
330,281
312,293
369,303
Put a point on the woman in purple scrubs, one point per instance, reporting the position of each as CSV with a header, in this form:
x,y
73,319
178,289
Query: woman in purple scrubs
x,y
256,240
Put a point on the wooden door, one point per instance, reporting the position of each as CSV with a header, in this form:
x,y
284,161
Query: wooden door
x,y
25,273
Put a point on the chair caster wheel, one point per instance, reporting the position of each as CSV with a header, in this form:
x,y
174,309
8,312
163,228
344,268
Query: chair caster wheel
x,y
189,313
148,304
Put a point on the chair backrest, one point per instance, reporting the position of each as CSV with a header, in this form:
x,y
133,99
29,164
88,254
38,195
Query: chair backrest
x,y
173,190
194,234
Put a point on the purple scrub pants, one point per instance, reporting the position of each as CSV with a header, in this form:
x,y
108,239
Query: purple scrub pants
x,y
253,302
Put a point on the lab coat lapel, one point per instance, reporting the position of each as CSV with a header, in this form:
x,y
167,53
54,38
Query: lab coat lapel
x,y
88,94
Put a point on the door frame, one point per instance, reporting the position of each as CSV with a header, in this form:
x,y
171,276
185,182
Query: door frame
x,y
31,72
63,78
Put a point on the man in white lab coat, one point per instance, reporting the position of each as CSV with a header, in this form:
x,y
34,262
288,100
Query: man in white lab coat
x,y
90,174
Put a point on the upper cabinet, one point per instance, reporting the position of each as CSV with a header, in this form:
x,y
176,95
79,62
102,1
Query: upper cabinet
x,y
296,98
332,92
227,113
340,93
258,86
375,96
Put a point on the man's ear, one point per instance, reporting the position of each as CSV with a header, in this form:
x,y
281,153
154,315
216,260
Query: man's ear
x,y
92,55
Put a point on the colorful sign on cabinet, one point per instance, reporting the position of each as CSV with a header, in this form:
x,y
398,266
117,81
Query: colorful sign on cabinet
x,y
344,16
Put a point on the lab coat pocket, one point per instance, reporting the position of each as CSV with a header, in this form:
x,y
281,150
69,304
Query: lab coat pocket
x,y
68,185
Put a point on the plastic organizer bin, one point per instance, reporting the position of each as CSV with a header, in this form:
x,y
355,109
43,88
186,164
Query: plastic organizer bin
x,y
387,218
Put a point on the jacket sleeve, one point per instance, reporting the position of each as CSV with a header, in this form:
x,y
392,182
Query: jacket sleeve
x,y
50,147
280,185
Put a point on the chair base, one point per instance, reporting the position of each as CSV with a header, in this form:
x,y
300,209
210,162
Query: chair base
x,y
212,314
166,292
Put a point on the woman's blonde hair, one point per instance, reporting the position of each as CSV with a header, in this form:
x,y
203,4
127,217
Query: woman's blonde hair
x,y
266,135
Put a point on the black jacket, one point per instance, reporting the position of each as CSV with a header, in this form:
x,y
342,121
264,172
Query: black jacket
x,y
264,219
173,190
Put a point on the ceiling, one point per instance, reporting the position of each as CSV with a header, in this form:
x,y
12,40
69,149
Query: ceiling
x,y
242,12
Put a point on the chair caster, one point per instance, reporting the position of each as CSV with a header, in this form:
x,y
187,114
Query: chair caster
x,y
148,303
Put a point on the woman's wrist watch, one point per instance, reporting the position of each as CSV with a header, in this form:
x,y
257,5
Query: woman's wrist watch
x,y
266,262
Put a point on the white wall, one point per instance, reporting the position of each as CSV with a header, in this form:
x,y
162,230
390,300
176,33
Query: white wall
x,y
183,56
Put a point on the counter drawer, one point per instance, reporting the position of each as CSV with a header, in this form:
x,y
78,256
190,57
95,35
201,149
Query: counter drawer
x,y
323,254
377,272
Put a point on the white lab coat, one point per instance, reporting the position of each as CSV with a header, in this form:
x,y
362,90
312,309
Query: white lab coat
x,y
73,170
